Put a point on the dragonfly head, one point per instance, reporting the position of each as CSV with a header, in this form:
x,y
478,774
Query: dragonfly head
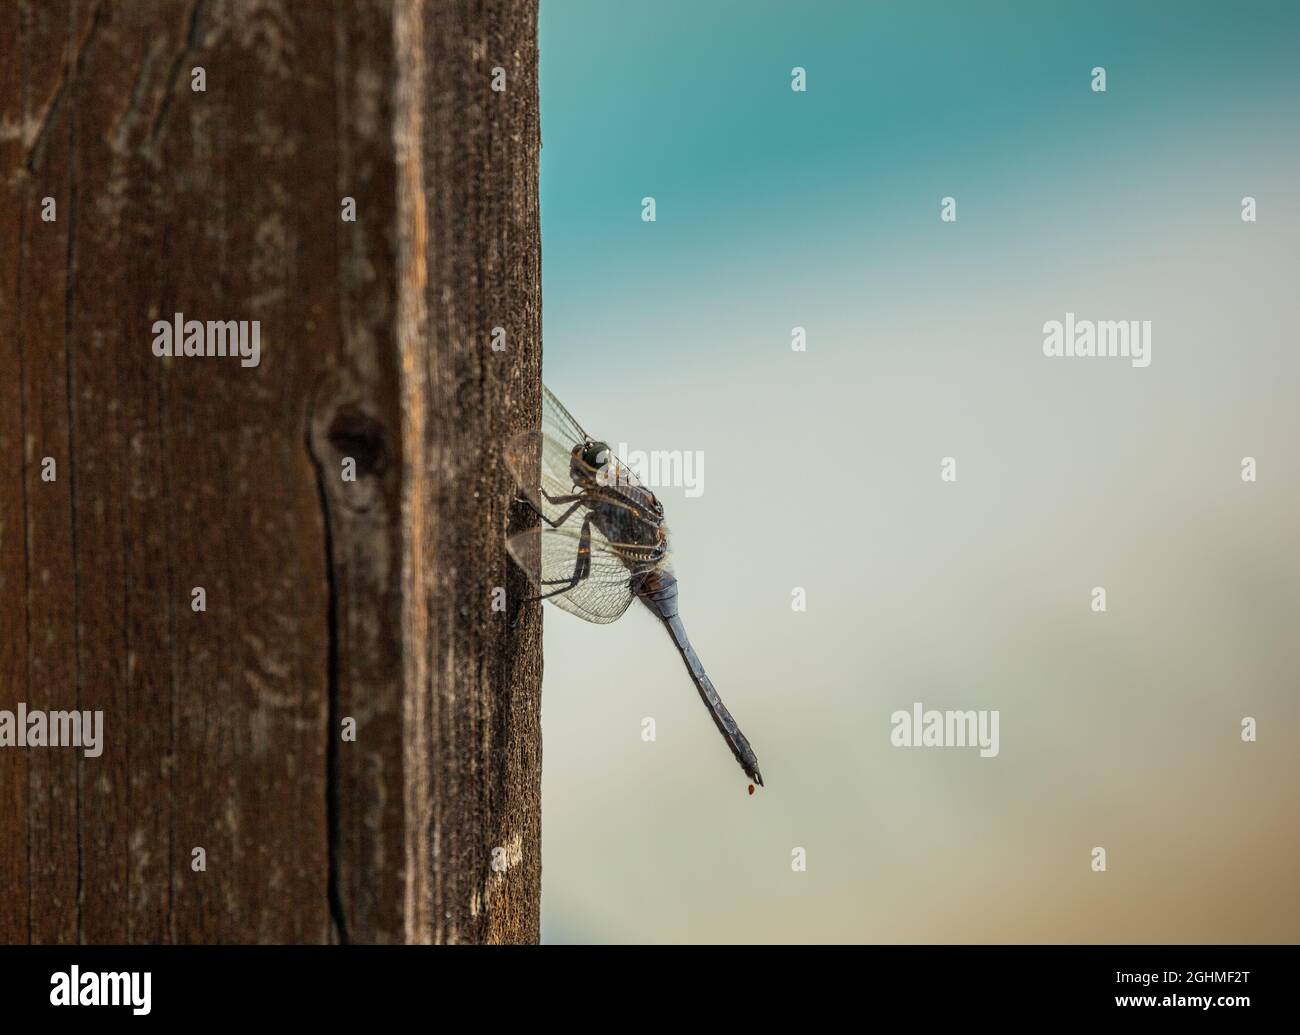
x,y
586,462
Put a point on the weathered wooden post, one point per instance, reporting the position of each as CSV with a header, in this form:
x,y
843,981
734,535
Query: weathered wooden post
x,y
273,576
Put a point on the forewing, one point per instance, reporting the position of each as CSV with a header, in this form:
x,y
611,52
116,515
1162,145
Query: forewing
x,y
540,461
549,556
559,427
542,482
558,423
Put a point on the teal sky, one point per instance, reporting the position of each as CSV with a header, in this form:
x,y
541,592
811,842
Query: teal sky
x,y
690,102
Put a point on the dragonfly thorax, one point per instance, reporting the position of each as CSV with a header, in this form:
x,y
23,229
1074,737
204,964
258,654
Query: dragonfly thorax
x,y
593,468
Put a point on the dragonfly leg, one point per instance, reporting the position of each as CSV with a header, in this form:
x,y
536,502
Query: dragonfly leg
x,y
581,568
557,499
563,517
549,498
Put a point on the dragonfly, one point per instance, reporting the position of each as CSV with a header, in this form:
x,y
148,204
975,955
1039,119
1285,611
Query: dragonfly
x,y
602,543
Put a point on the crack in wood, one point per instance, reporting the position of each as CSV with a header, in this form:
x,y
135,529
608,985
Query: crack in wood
x,y
333,729
193,39
36,154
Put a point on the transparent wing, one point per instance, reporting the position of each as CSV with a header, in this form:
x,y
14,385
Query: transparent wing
x,y
542,483
541,461
550,558
558,423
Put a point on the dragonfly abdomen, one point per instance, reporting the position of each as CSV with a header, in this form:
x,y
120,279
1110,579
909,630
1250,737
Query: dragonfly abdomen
x,y
658,591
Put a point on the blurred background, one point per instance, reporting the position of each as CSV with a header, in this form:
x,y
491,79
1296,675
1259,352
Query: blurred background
x,y
820,210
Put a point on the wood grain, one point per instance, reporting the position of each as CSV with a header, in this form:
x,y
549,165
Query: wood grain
x,y
326,599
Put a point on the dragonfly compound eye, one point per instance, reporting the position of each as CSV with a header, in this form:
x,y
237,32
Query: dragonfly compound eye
x,y
596,455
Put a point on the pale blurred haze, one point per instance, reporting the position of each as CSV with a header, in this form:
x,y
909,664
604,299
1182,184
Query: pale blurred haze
x,y
821,210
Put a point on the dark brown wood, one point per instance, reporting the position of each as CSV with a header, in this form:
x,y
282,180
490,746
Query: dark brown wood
x,y
326,599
